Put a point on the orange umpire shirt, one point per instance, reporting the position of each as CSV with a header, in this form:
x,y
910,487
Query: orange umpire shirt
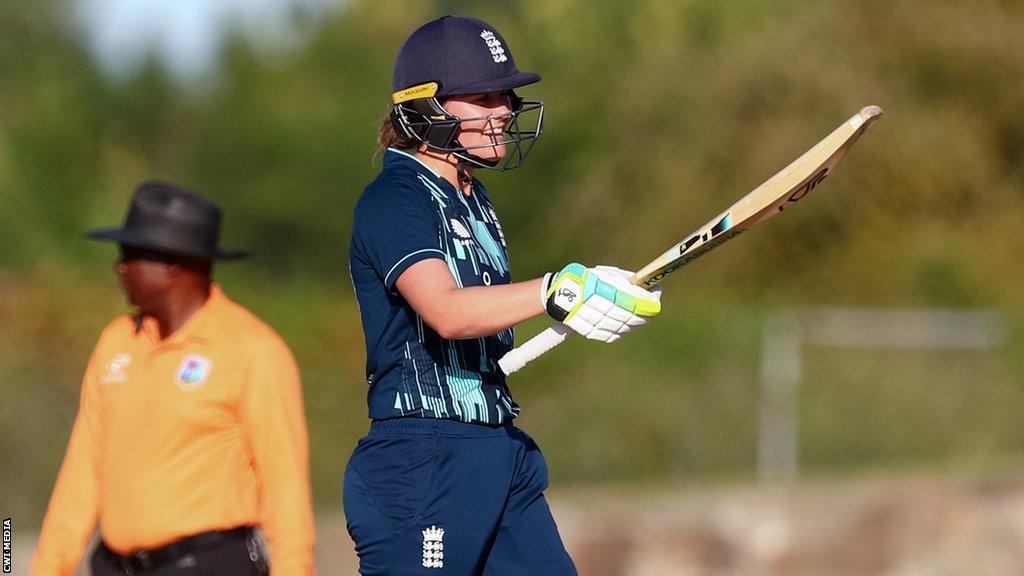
x,y
202,431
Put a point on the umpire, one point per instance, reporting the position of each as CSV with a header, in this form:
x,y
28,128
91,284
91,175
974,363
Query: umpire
x,y
190,431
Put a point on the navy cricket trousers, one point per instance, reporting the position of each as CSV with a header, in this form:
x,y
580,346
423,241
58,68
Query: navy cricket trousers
x,y
431,497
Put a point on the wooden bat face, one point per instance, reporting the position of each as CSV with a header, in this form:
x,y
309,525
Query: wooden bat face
x,y
787,186
790,185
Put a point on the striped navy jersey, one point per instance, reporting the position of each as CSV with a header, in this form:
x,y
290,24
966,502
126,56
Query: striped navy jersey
x,y
406,215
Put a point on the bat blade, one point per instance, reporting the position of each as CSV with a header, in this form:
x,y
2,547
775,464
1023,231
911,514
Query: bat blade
x,y
787,186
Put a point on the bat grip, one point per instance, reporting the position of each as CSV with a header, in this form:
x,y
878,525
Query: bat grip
x,y
534,347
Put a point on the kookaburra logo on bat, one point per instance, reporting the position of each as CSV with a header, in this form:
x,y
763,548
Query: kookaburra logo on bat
x,y
803,190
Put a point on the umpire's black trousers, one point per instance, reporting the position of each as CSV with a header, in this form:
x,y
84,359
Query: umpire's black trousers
x,y
231,553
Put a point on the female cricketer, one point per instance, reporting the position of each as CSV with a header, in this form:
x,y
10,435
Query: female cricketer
x,y
444,483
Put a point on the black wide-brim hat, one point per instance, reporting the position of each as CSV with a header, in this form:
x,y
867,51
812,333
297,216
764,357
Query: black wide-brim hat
x,y
168,219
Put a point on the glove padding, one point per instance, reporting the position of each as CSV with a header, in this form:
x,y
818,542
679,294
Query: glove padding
x,y
599,303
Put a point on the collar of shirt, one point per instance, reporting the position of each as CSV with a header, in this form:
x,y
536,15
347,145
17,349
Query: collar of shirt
x,y
394,157
196,329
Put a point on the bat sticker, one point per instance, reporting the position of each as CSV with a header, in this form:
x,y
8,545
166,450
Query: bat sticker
x,y
806,188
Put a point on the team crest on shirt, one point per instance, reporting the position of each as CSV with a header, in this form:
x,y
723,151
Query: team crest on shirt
x,y
115,369
193,372
433,547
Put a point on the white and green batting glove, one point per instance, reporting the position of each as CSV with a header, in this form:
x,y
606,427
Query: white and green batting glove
x,y
599,303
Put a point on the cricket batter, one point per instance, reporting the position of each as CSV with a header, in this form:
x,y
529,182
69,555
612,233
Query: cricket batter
x,y
444,483
190,431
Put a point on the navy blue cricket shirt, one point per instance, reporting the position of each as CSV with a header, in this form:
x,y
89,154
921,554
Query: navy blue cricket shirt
x,y
406,215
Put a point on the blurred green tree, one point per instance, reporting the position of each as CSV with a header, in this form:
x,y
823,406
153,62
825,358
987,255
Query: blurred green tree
x,y
659,114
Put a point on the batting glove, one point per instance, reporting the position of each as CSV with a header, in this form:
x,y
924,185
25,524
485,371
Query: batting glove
x,y
599,303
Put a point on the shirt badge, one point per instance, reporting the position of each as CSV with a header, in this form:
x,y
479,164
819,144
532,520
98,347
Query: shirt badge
x,y
433,547
460,230
193,372
115,369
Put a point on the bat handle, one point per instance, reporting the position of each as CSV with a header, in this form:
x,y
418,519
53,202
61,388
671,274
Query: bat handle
x,y
534,347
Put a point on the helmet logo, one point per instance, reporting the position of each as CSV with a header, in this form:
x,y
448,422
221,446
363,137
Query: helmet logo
x,y
497,52
427,90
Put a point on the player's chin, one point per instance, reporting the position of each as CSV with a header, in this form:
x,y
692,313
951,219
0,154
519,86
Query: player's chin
x,y
493,153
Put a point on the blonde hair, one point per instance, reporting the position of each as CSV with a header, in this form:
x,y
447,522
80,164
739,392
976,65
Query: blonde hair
x,y
388,137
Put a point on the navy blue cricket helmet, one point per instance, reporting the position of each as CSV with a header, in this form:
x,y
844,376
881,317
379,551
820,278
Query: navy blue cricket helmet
x,y
456,55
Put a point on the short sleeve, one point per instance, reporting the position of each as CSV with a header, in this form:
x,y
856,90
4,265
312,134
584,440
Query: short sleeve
x,y
274,421
396,225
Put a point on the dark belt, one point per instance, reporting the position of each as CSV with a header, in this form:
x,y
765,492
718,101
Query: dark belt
x,y
141,560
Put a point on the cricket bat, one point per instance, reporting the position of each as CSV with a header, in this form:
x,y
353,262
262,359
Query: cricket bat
x,y
789,185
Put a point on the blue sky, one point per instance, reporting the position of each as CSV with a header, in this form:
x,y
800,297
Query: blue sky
x,y
185,33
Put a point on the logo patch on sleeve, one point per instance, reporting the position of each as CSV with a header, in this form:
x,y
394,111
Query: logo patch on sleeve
x,y
193,372
115,369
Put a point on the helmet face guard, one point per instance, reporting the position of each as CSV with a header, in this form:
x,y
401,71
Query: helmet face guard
x,y
426,120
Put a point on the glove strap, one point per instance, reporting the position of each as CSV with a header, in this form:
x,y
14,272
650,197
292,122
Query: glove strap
x,y
545,284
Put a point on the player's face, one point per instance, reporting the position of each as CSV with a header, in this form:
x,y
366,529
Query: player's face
x,y
485,118
145,276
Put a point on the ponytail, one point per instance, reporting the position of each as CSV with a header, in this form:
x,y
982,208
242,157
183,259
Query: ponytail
x,y
388,137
